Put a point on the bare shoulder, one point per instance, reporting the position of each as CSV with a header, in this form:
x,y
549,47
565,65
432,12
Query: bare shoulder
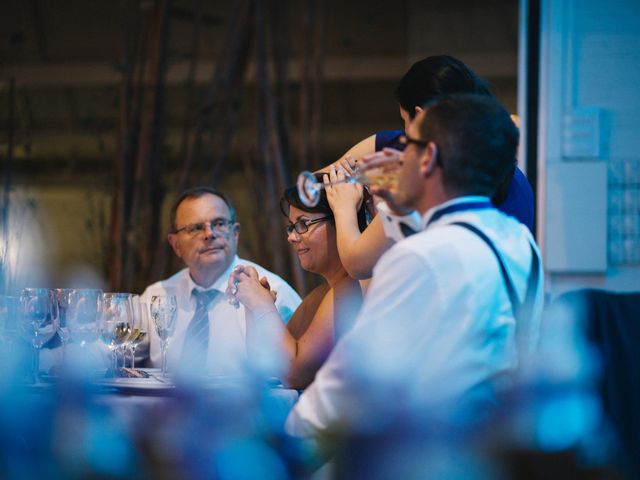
x,y
342,303
307,310
348,287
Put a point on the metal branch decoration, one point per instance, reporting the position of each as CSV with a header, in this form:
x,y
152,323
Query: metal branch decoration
x,y
256,30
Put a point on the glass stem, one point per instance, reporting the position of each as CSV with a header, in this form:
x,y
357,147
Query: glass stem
x,y
164,358
133,357
35,364
114,356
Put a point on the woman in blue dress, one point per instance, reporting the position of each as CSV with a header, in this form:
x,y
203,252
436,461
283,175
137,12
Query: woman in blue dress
x,y
427,79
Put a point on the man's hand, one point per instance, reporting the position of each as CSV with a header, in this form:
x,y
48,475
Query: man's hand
x,y
389,158
389,162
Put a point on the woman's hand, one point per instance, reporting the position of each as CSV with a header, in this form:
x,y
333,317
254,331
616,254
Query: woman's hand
x,y
246,287
342,196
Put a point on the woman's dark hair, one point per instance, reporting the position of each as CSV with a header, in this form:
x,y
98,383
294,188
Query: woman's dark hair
x,y
433,77
440,75
290,197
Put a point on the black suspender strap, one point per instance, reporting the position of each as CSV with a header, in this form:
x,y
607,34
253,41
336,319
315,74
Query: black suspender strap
x,y
522,311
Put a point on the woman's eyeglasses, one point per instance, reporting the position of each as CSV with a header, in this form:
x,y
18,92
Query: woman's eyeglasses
x,y
302,226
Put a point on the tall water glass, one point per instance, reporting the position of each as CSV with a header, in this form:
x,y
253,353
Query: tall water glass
x,y
38,318
163,311
117,314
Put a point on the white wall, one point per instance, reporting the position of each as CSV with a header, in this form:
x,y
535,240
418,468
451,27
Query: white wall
x,y
589,143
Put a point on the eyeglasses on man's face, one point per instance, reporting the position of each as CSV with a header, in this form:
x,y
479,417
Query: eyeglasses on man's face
x,y
406,140
302,226
219,226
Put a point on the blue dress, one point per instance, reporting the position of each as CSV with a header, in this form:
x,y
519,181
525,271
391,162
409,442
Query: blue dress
x,y
519,201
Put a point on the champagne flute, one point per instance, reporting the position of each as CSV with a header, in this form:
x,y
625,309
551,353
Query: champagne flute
x,y
140,326
116,322
37,321
163,312
310,185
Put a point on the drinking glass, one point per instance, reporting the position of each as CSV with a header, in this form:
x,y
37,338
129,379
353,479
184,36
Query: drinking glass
x,y
62,297
83,314
309,186
117,315
140,326
38,318
163,312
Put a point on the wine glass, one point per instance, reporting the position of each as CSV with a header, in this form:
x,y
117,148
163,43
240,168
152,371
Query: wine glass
x,y
83,315
310,185
37,321
62,297
116,322
140,326
163,312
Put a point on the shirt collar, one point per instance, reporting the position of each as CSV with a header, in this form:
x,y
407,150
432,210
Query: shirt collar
x,y
221,282
456,201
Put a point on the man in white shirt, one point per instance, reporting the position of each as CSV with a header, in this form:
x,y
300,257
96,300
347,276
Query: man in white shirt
x,y
210,332
437,336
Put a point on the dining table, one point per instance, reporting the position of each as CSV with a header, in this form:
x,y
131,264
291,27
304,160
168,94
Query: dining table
x,y
144,425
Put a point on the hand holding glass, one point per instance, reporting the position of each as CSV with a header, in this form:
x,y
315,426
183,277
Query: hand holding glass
x,y
382,175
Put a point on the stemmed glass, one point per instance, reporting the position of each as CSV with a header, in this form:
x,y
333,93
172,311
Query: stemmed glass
x,y
116,322
163,312
140,326
62,297
38,321
309,185
83,315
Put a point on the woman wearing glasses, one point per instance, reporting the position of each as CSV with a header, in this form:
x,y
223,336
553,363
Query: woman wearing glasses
x,y
324,314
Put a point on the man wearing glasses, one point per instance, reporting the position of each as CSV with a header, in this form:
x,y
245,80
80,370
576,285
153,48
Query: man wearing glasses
x,y
210,332
453,309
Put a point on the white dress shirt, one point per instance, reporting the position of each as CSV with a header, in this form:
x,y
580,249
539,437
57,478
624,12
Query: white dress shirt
x,y
435,326
227,353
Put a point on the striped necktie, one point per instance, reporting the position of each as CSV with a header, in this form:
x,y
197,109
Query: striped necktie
x,y
196,342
